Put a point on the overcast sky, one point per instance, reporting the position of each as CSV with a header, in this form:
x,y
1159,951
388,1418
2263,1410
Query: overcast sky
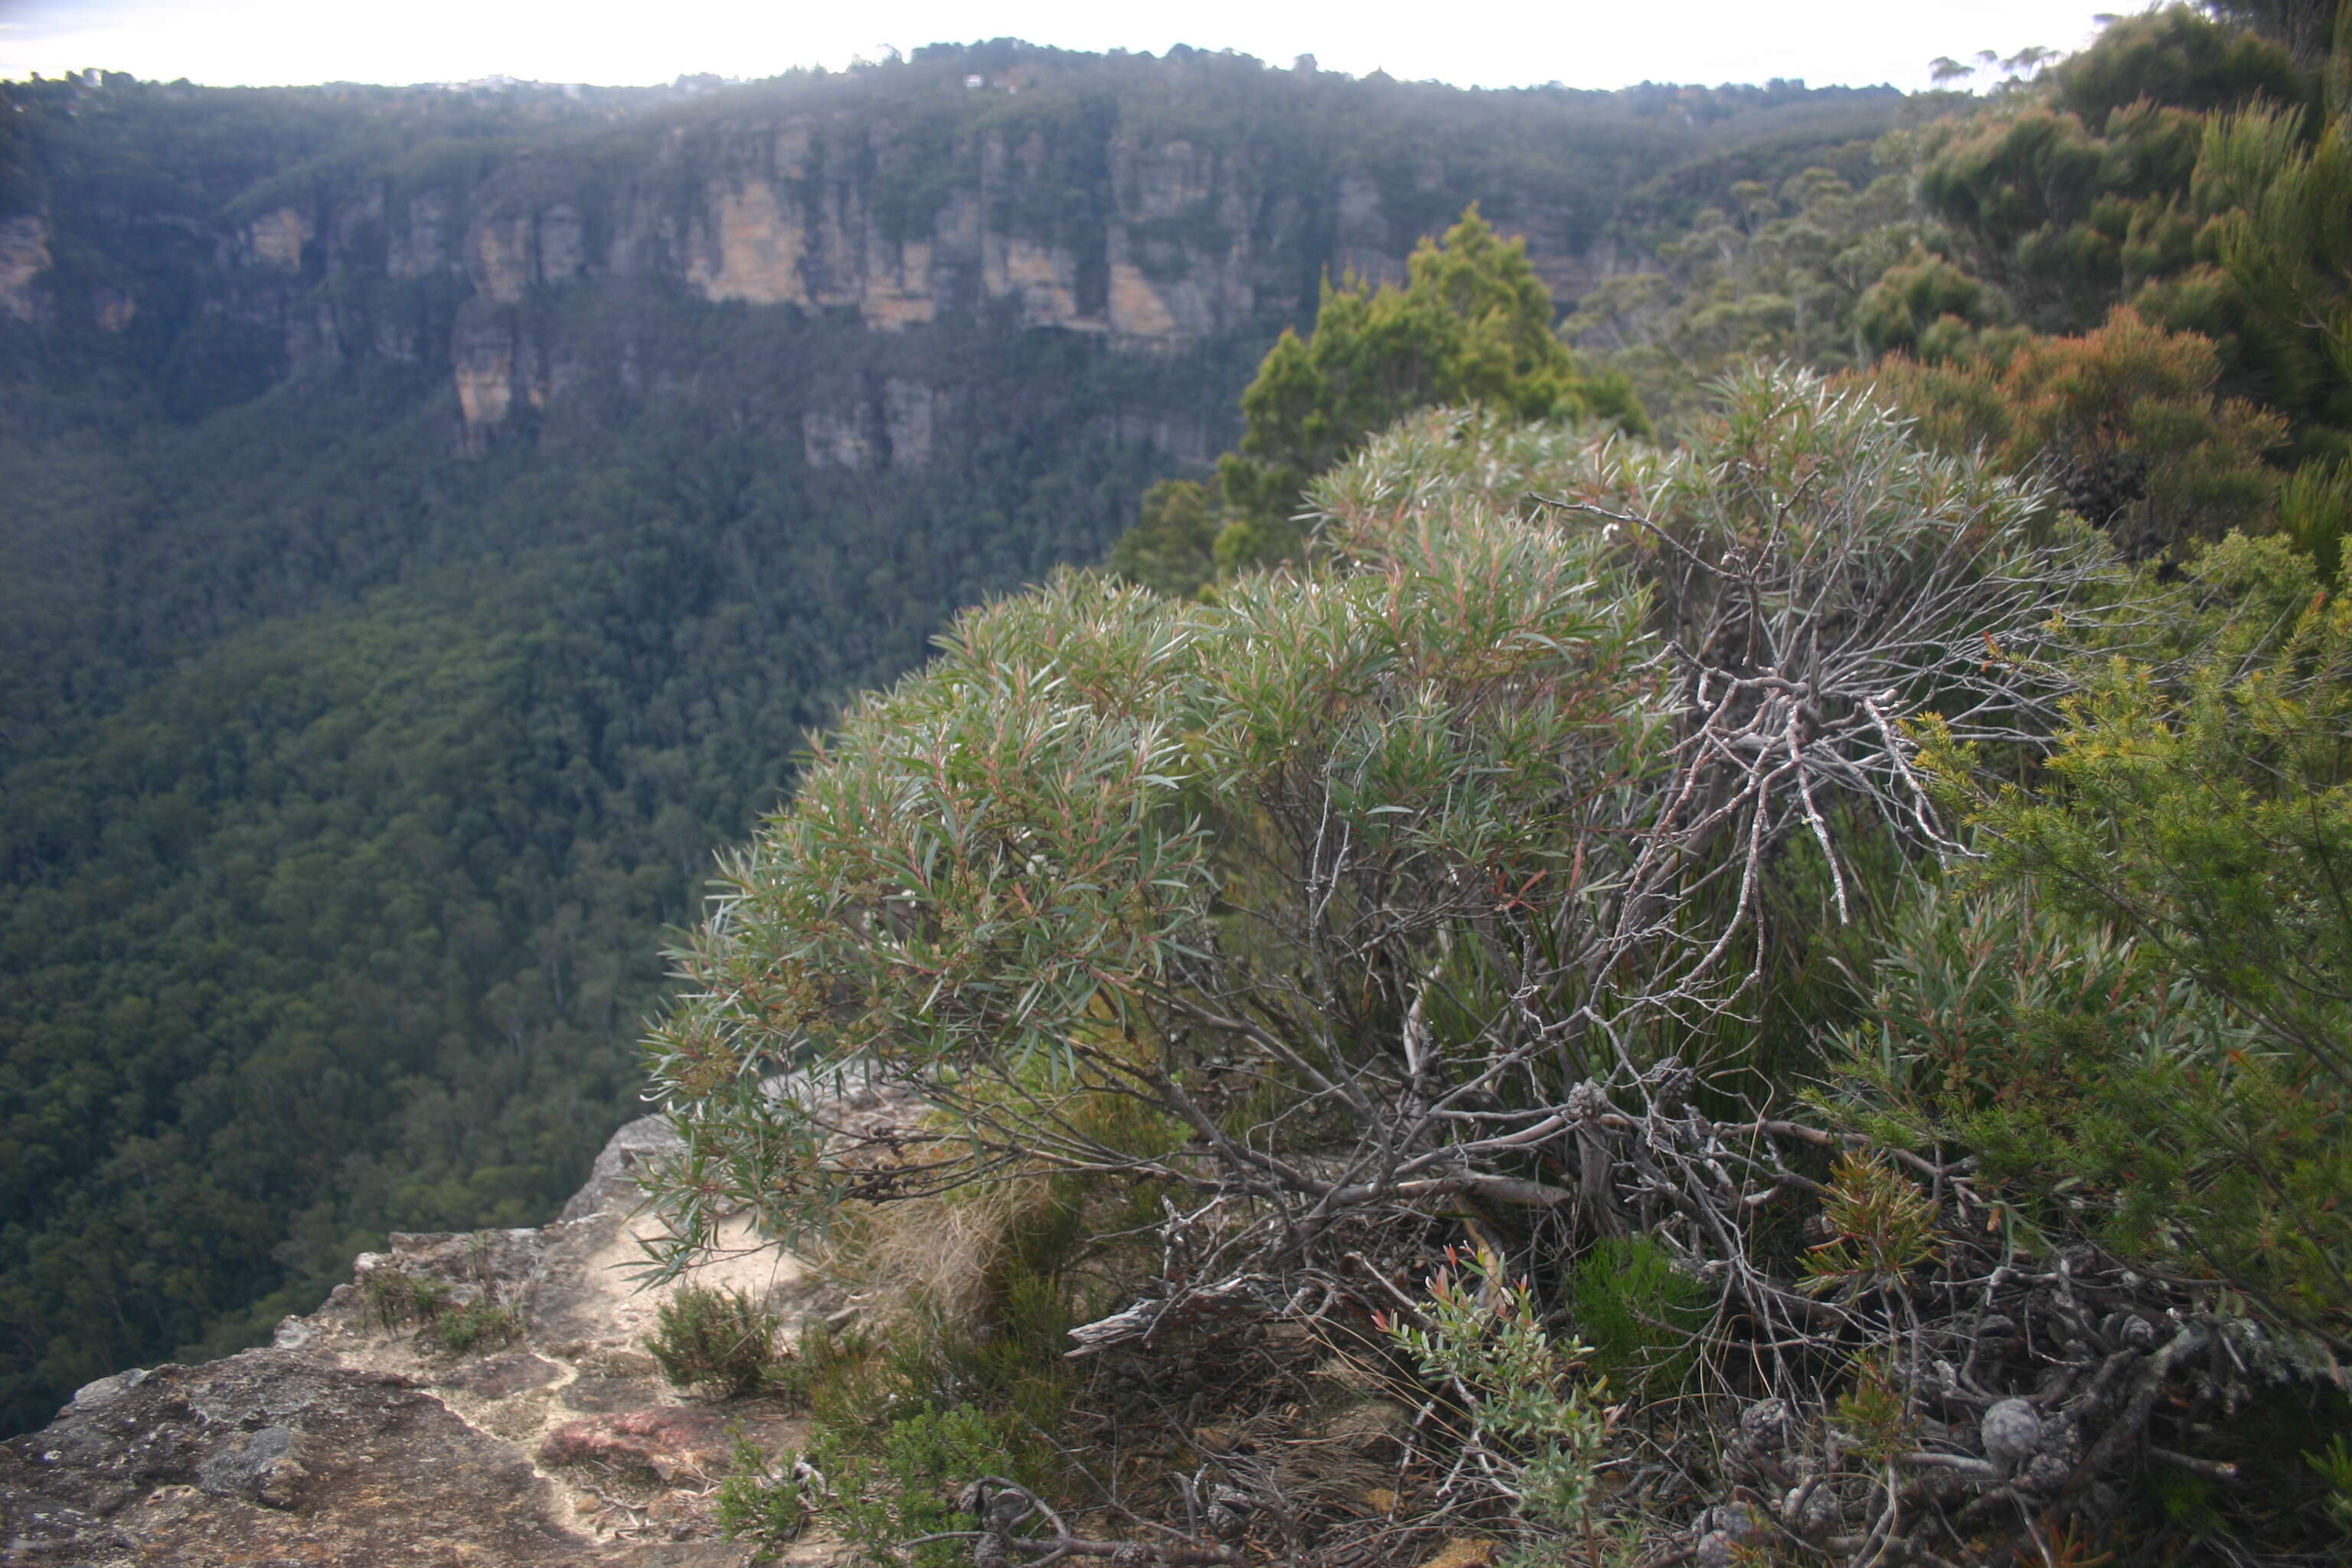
x,y
1496,43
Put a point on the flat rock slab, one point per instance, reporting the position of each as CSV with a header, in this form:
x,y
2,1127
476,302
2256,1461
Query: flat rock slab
x,y
665,1446
270,1457
498,1376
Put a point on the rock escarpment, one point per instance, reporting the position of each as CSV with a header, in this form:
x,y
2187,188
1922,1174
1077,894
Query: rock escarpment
x,y
352,1441
805,210
1153,244
24,257
845,257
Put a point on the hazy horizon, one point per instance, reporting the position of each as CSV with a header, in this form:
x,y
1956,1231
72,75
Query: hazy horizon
x,y
1579,42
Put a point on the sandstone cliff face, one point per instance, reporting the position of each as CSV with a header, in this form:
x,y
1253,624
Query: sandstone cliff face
x,y
1166,246
791,214
1149,225
276,238
24,257
351,1442
1154,245
802,213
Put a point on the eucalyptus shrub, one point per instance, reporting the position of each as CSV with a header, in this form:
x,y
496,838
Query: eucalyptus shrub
x,y
1322,898
1427,884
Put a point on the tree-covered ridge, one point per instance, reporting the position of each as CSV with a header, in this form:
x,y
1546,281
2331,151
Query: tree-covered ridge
x,y
1571,151
136,181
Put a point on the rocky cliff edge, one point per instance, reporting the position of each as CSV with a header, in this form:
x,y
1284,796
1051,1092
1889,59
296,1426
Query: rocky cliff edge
x,y
359,1437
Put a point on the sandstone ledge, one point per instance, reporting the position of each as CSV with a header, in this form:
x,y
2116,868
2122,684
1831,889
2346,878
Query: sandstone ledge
x,y
352,1443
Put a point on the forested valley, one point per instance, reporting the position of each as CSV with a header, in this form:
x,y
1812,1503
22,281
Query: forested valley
x,y
1623,843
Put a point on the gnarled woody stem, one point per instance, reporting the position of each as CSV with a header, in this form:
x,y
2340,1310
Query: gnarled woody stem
x,y
1003,1504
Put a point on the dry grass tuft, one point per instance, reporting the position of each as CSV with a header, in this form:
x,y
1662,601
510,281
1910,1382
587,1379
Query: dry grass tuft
x,y
929,1260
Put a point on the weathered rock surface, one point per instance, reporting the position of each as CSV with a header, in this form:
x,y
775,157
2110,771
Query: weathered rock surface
x,y
353,1442
24,257
795,209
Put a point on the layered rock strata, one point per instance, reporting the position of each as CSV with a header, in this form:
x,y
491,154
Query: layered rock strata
x,y
522,279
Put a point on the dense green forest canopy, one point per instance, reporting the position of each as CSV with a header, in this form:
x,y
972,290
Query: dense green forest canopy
x,y
350,783
347,922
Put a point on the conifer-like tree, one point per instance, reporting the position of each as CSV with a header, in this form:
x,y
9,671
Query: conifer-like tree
x,y
2284,234
1472,325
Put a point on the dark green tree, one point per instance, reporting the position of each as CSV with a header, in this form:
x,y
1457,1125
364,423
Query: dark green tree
x,y
1771,273
1472,325
2283,231
2184,165
1172,548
